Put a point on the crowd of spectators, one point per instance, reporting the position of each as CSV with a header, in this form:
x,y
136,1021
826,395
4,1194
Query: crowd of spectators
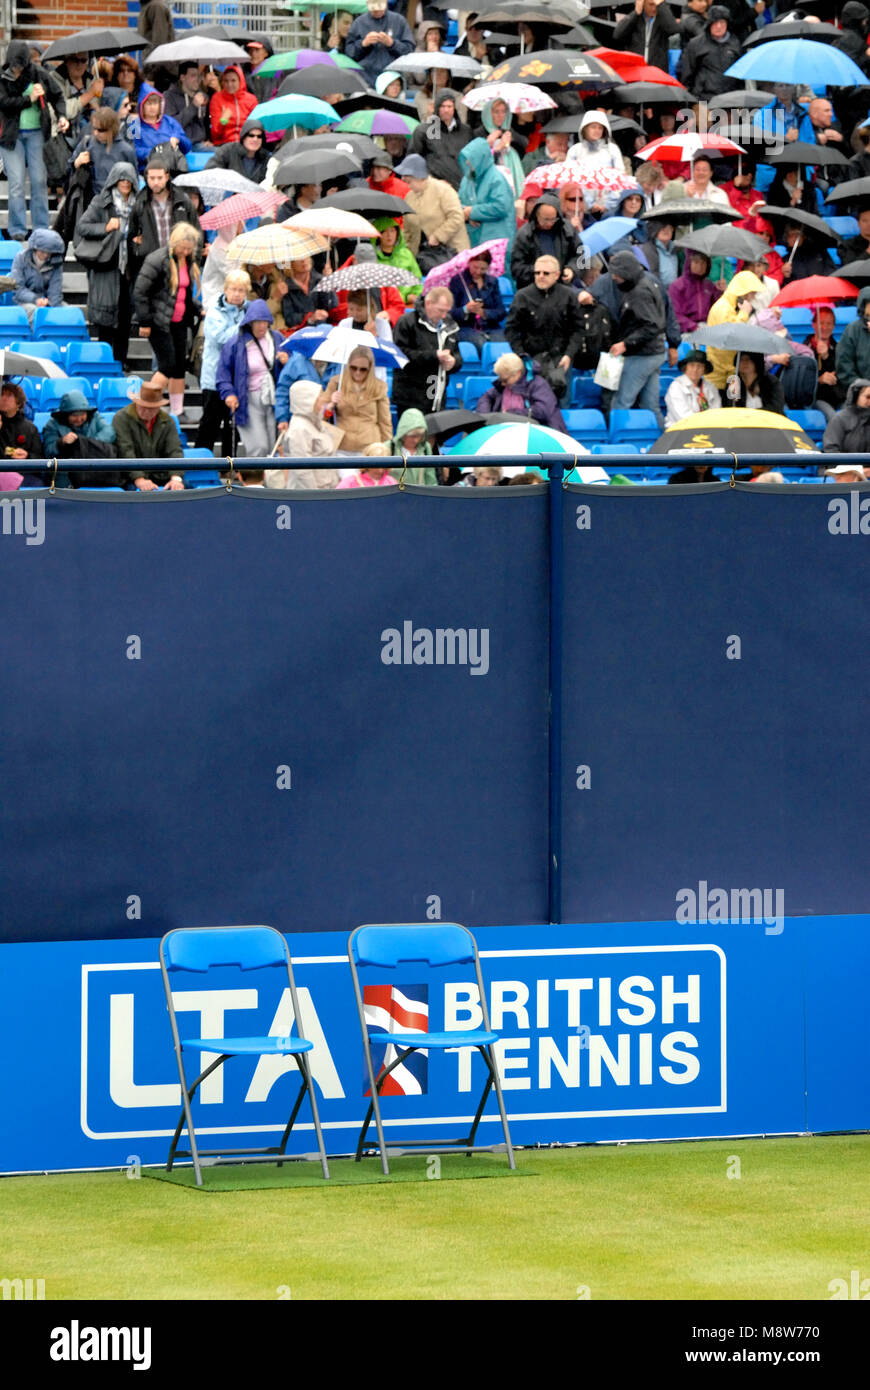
x,y
467,177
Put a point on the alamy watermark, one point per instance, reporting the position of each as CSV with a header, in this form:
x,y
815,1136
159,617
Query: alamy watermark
x,y
23,516
22,1290
439,646
721,906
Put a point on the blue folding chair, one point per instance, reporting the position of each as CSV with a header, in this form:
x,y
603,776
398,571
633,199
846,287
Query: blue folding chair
x,y
434,944
199,949
588,426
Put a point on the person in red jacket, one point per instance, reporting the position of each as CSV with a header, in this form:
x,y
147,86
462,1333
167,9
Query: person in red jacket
x,y
740,192
230,107
383,180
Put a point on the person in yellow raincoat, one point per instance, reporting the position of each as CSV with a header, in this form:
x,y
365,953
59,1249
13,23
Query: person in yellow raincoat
x,y
734,306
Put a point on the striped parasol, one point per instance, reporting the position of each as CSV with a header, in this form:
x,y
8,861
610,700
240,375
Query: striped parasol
x,y
240,207
331,222
371,275
295,59
274,245
378,123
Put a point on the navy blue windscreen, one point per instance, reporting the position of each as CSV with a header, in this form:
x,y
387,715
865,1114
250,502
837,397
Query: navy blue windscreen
x,y
141,794
738,773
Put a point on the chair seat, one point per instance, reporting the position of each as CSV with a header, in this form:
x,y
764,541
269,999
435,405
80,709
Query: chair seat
x,y
241,1047
457,1039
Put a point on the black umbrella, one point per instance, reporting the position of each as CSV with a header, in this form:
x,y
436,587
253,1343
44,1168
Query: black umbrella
x,y
368,101
679,210
321,79
592,33
554,67
725,241
802,152
804,219
794,29
444,423
367,202
98,41
317,167
850,190
363,146
855,270
741,96
564,14
650,94
220,31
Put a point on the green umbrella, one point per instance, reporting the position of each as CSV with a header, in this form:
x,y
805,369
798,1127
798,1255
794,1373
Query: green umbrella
x,y
378,123
296,58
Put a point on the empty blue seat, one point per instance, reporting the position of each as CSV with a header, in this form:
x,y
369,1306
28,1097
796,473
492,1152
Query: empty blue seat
x,y
798,319
14,324
113,393
41,419
8,251
208,477
469,354
615,449
812,422
54,387
585,393
33,348
61,325
843,226
506,286
491,353
93,360
634,426
474,388
587,426
197,159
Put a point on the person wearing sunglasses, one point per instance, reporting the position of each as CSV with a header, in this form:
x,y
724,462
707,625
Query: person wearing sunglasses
x,y
248,156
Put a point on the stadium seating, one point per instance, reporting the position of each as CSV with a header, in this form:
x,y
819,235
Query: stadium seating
x,y
614,449
473,389
14,324
634,426
492,352
843,226
93,360
198,950
33,348
8,251
797,319
197,159
469,354
60,325
585,394
433,944
113,393
54,387
812,422
507,290
587,426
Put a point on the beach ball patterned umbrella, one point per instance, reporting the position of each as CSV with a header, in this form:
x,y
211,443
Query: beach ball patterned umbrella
x,y
294,59
526,438
378,123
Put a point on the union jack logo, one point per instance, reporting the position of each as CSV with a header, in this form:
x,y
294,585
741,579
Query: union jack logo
x,y
394,1009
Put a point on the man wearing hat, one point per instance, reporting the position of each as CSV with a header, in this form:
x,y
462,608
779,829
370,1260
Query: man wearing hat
x,y
689,392
377,38
144,430
437,218
383,180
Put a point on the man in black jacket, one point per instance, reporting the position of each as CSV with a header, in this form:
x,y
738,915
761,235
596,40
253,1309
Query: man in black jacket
x,y
547,233
187,103
545,323
647,31
640,335
28,93
705,59
158,207
429,338
692,20
440,138
247,156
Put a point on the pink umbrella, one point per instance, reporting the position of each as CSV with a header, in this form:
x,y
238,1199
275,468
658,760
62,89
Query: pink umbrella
x,y
579,171
10,482
240,207
443,274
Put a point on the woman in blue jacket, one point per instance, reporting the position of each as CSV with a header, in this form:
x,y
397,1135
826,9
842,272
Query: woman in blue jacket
x,y
486,199
246,374
155,128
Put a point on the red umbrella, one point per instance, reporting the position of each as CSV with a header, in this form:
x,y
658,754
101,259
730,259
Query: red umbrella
x,y
240,207
632,67
684,147
815,289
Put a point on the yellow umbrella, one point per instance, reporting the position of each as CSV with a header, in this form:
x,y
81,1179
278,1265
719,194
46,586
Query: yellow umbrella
x,y
276,244
734,431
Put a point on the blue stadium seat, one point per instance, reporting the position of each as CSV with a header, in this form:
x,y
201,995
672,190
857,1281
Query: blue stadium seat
x,y
93,360
61,325
843,226
474,387
197,159
797,319
206,477
33,348
14,324
113,393
54,387
615,449
506,285
633,426
812,422
469,354
492,352
585,394
41,419
842,318
587,426
8,251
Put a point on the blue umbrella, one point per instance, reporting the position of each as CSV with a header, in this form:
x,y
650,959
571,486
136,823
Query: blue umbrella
x,y
308,340
602,236
798,61
283,112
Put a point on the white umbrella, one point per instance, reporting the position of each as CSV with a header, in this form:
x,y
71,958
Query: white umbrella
x,y
520,97
198,49
215,184
454,63
23,364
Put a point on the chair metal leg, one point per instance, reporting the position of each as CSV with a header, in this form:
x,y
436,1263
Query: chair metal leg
x,y
376,1084
186,1118
512,1163
305,1068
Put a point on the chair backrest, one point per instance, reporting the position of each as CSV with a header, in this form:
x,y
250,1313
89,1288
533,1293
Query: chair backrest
x,y
633,422
468,352
200,948
475,386
491,352
585,424
64,322
32,348
435,943
54,387
93,357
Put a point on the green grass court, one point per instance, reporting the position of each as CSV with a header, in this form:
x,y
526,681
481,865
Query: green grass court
x,y
641,1221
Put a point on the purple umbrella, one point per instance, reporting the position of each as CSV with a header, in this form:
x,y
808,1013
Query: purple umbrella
x,y
458,264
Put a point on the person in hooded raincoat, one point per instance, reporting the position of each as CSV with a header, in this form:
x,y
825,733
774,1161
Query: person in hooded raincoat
x,y
734,306
849,431
392,249
230,107
156,128
77,430
596,145
547,233
110,287
441,139
28,96
412,439
507,146
308,435
38,271
246,375
487,201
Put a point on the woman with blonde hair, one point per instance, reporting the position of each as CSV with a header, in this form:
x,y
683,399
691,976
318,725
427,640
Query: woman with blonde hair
x,y
164,298
359,403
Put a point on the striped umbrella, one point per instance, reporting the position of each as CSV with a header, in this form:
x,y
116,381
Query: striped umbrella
x,y
274,245
371,275
294,59
331,222
685,147
284,112
240,207
526,438
378,123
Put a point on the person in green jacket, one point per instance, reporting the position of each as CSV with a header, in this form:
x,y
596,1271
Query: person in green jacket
x,y
412,438
853,349
393,250
485,195
144,430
